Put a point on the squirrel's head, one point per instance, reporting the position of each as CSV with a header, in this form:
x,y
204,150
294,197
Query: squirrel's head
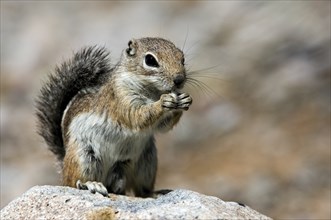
x,y
157,62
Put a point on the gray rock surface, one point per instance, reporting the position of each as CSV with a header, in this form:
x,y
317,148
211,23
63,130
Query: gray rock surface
x,y
55,202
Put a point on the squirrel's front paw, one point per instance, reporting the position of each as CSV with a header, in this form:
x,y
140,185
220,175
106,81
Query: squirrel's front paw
x,y
184,101
176,101
169,101
93,187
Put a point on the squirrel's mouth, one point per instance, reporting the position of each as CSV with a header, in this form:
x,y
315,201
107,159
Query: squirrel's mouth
x,y
164,86
173,89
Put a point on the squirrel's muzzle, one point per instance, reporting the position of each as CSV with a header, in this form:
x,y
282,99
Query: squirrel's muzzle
x,y
179,81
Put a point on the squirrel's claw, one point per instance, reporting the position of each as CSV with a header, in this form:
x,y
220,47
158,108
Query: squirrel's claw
x,y
180,101
93,187
184,101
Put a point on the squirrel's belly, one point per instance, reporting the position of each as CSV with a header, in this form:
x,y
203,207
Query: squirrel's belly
x,y
107,140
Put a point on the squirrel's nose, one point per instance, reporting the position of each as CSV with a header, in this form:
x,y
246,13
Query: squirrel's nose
x,y
179,80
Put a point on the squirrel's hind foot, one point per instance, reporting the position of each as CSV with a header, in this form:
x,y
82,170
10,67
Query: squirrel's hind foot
x,y
93,187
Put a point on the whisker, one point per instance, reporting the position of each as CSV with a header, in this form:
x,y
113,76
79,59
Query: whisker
x,y
197,86
198,71
203,91
209,76
189,57
186,36
202,86
190,48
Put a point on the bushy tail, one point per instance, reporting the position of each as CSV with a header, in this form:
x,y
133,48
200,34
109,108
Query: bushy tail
x,y
86,69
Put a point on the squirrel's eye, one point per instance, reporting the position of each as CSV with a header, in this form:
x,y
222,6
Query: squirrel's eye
x,y
151,61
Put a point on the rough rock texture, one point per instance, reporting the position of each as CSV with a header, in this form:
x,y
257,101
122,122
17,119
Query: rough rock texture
x,y
55,202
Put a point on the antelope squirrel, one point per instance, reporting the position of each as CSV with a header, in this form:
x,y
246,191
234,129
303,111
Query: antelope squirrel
x,y
100,119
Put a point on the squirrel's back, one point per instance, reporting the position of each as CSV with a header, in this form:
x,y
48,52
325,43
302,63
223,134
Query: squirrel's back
x,y
88,68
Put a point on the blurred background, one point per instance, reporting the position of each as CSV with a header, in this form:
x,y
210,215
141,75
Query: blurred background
x,y
259,128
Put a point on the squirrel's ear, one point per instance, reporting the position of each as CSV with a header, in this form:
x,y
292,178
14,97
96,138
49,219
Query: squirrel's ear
x,y
132,49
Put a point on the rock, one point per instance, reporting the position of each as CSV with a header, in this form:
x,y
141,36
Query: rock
x,y
56,202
